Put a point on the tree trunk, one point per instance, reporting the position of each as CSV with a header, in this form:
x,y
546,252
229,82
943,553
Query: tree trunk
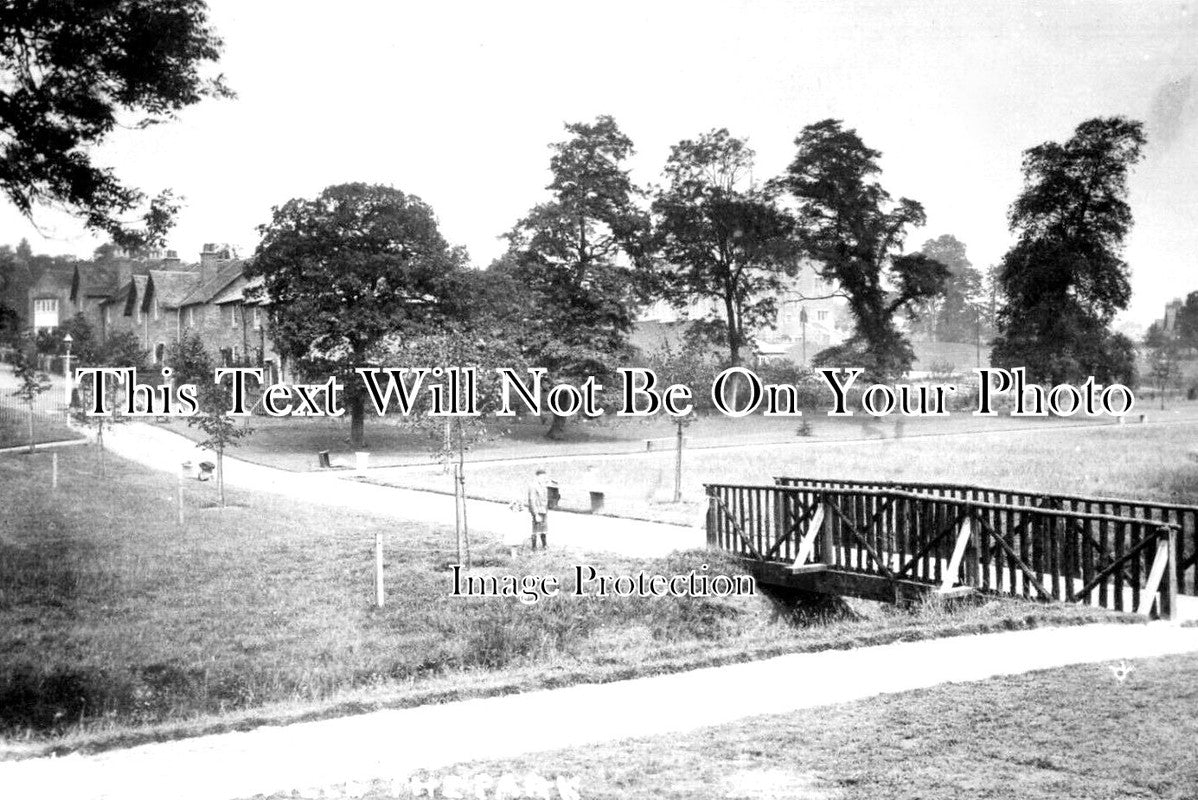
x,y
557,430
357,421
220,475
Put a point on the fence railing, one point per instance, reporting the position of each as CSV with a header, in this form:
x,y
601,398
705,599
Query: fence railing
x,y
1114,561
1184,517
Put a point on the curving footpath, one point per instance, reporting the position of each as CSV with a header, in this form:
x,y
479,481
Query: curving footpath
x,y
165,450
391,745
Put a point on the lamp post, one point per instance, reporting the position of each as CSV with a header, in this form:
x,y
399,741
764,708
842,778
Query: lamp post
x,y
803,320
67,371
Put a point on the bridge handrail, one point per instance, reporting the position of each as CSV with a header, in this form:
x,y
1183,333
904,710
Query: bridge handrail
x,y
970,487
1056,512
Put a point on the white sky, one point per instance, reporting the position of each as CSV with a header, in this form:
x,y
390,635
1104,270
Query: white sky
x,y
457,102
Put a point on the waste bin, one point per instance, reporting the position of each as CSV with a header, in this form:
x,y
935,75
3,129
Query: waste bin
x,y
206,470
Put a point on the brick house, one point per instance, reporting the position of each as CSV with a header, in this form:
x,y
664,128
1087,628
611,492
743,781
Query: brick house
x,y
208,301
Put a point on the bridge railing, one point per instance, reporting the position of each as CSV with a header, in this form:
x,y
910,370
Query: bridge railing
x,y
1114,561
1183,517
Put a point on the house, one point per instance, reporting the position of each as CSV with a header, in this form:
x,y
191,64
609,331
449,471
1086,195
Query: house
x,y
49,299
212,302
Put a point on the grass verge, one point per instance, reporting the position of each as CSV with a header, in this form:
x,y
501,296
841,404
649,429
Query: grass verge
x,y
1051,735
119,626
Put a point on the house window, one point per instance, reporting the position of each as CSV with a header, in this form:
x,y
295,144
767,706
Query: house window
x,y
191,316
157,311
822,315
257,318
235,355
138,314
107,315
159,352
45,313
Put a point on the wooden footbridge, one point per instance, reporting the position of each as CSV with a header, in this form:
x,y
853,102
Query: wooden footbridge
x,y
900,541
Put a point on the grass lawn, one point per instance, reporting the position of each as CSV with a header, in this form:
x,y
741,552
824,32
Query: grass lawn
x,y
117,626
14,427
1065,733
293,442
1136,461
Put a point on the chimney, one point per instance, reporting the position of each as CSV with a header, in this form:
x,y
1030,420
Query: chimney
x,y
212,258
171,260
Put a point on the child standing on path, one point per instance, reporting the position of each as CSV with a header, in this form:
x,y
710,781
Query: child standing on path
x,y
538,507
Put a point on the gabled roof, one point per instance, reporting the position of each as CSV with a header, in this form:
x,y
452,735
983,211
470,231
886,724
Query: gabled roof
x,y
120,296
204,293
137,291
52,278
170,287
93,280
245,290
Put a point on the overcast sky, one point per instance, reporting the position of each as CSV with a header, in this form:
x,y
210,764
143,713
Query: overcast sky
x,y
457,102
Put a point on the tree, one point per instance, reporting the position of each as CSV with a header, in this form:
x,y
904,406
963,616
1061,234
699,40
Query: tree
x,y
1163,358
31,381
581,260
472,345
1187,322
73,71
221,431
347,268
722,238
189,361
849,224
1064,279
120,350
955,316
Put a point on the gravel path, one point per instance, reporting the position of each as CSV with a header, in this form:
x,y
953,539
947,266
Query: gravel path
x,y
390,745
161,449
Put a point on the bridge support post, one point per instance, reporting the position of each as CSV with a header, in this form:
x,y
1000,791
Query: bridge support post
x,y
1162,577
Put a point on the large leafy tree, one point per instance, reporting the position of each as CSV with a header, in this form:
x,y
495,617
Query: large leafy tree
x,y
960,313
852,227
723,239
580,258
1064,279
71,71
343,270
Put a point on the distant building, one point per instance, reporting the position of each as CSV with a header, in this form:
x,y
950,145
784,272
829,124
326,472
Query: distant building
x,y
49,300
811,316
158,299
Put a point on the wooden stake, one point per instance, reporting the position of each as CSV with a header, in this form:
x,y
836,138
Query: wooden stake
x,y
378,568
678,466
179,498
54,470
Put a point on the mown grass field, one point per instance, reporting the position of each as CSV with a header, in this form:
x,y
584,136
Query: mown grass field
x,y
1059,734
293,442
14,427
1136,461
117,625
